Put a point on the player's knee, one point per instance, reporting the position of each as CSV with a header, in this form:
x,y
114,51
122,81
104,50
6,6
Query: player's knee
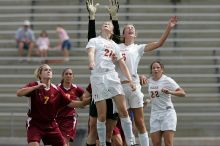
x,y
102,118
92,130
140,125
123,113
168,143
108,135
156,143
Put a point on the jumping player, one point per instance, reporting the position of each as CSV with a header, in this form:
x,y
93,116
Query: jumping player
x,y
105,82
132,62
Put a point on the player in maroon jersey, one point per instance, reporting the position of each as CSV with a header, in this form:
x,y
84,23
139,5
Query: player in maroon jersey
x,y
67,117
45,99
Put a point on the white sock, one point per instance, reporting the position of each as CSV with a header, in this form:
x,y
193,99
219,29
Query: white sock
x,y
144,140
101,130
134,138
127,129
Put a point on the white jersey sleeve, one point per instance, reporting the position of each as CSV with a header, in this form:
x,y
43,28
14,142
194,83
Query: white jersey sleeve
x,y
141,49
91,43
171,84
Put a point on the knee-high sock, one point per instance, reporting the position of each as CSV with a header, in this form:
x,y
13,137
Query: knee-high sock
x,y
101,130
127,128
144,140
134,138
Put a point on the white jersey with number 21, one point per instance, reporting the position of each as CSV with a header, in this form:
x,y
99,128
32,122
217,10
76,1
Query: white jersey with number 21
x,y
104,49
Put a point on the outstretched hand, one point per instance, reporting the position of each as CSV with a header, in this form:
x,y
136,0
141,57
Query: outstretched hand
x,y
173,21
91,8
113,9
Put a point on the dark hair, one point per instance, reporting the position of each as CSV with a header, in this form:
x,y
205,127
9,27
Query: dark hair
x,y
43,32
156,61
63,74
122,38
117,38
59,25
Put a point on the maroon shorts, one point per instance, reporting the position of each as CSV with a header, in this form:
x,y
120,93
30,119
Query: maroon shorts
x,y
118,130
67,127
49,133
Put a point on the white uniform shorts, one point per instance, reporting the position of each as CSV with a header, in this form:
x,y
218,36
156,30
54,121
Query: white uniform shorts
x,y
134,99
43,47
105,86
162,121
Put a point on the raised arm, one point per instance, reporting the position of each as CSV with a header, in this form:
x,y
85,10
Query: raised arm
x,y
113,10
154,45
91,26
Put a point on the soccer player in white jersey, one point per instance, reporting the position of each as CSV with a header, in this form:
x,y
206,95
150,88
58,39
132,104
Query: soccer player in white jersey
x,y
132,54
105,82
163,117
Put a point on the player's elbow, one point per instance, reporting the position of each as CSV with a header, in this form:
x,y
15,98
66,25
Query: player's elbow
x,y
159,44
180,92
18,93
183,94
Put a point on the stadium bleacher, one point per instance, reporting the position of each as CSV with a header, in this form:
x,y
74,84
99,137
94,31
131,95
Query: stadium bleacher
x,y
191,56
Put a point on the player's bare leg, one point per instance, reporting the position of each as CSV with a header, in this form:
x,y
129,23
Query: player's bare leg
x,y
125,120
168,137
91,139
140,125
156,138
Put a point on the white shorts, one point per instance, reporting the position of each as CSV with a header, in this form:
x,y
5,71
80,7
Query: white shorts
x,y
162,121
43,47
134,99
105,86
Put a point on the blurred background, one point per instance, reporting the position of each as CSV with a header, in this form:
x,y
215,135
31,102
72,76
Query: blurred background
x,y
191,56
